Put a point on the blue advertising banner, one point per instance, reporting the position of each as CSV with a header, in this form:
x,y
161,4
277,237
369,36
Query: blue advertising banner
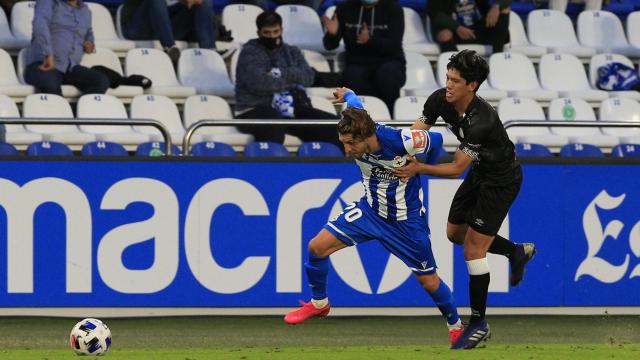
x,y
234,234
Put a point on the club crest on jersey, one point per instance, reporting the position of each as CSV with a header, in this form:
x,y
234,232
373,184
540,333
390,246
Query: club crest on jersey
x,y
419,139
399,161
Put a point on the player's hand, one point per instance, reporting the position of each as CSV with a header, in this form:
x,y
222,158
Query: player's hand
x,y
363,35
88,47
332,25
492,16
48,64
339,95
408,170
465,33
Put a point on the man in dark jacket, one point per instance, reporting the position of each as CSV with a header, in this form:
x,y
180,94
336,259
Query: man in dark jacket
x,y
469,21
372,31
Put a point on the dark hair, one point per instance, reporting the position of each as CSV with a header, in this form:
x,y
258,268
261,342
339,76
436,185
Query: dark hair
x,y
356,122
268,18
471,66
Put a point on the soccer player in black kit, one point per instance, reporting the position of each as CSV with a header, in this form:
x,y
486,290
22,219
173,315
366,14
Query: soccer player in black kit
x,y
487,192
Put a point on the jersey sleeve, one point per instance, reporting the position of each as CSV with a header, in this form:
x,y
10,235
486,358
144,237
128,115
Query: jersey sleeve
x,y
415,141
431,109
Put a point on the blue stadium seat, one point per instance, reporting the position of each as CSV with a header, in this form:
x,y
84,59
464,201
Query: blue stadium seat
x,y
532,150
155,148
48,148
265,149
7,149
626,150
319,149
212,148
103,148
580,150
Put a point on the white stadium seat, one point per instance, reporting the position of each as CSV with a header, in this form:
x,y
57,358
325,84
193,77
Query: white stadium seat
x,y
15,133
301,27
565,74
162,109
108,58
9,84
68,91
206,71
554,30
376,107
633,29
100,106
568,109
209,107
419,75
105,32
603,30
621,109
515,108
21,19
322,103
317,61
7,40
486,91
414,38
409,108
56,107
602,59
241,20
519,42
515,74
156,65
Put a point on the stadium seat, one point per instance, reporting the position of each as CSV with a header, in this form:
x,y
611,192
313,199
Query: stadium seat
x,y
68,91
15,133
419,75
200,107
21,18
626,150
602,59
9,84
103,148
515,74
554,30
319,149
621,109
603,30
7,149
99,106
317,61
409,108
265,149
519,43
241,20
205,70
633,29
322,103
48,148
56,107
485,91
155,148
7,40
415,38
532,150
377,109
565,74
569,109
580,150
233,64
162,109
109,59
212,148
527,109
301,27
104,30
157,66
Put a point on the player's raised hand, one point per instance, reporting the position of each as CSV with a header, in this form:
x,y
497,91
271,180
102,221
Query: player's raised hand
x,y
408,170
339,95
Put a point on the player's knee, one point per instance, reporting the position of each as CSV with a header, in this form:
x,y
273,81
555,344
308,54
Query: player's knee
x,y
429,282
455,237
317,249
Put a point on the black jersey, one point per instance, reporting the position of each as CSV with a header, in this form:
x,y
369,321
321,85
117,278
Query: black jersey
x,y
481,134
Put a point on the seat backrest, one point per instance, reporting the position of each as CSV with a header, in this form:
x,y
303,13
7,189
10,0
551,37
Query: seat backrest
x,y
562,72
377,109
21,64
321,103
152,63
515,108
202,67
441,67
241,20
413,28
601,29
516,30
602,59
570,109
580,150
550,28
532,150
7,149
233,64
103,148
620,109
419,72
316,60
512,71
300,25
159,108
408,108
633,28
155,148
21,19
102,22
626,150
212,148
9,109
319,149
265,149
105,57
46,106
48,148
102,106
200,107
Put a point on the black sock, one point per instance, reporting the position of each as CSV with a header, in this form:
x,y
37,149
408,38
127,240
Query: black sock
x,y
478,290
502,246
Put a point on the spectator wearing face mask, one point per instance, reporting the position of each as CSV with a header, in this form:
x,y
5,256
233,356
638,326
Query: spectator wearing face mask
x,y
372,31
270,80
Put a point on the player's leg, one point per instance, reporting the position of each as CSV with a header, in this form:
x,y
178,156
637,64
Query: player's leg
x,y
444,300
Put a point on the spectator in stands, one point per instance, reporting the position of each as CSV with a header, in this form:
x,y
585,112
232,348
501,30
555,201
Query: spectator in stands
x,y
264,4
170,20
61,33
561,5
270,80
372,31
470,21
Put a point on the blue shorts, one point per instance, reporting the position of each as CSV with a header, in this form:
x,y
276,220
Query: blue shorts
x,y
409,240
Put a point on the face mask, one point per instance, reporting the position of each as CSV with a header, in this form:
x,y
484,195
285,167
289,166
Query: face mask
x,y
271,43
369,2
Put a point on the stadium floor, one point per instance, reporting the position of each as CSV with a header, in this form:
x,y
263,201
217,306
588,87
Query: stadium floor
x,y
200,338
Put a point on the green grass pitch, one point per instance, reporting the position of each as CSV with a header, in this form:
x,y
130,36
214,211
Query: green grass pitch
x,y
261,337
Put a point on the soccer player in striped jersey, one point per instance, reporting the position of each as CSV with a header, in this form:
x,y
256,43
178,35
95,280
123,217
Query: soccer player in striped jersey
x,y
391,211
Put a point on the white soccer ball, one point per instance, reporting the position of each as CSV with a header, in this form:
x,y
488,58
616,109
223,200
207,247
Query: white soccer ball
x,y
90,337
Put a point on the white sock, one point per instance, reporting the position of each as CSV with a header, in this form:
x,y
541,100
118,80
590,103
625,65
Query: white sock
x,y
455,326
319,304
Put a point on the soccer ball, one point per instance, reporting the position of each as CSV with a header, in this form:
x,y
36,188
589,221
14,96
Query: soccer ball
x,y
90,337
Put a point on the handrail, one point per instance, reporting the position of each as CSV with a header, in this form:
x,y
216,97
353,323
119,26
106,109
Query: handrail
x,y
94,121
570,123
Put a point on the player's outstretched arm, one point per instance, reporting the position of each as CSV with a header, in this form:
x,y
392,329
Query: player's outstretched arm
x,y
449,170
347,95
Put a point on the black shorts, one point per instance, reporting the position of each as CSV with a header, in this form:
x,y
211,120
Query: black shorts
x,y
483,206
